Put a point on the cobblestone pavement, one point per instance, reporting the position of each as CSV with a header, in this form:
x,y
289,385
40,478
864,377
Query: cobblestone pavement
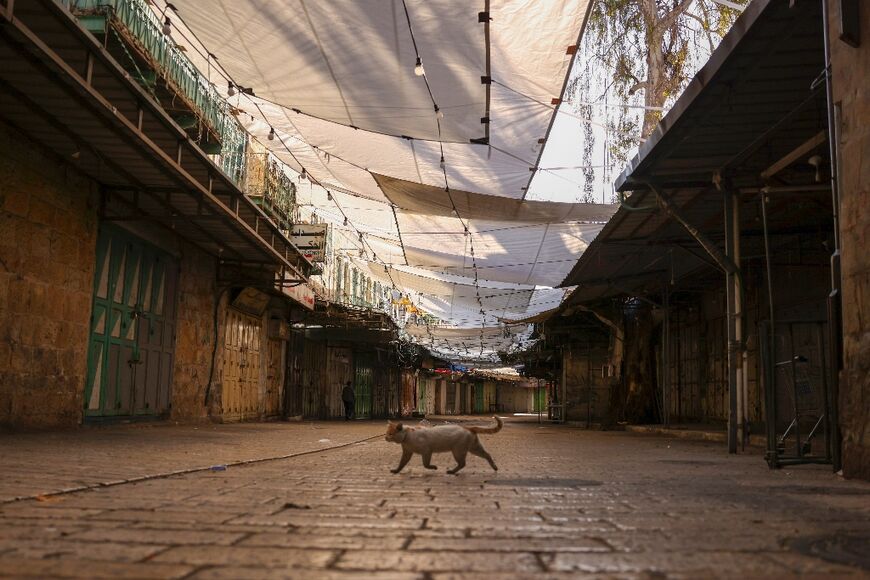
x,y
565,503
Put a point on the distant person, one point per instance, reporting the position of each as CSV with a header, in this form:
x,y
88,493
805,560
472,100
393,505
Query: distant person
x,y
348,397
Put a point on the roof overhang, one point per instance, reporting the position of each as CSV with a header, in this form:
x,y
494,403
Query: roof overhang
x,y
63,90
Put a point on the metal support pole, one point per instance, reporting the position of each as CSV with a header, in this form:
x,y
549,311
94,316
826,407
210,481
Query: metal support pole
x,y
835,318
731,320
666,358
769,348
740,354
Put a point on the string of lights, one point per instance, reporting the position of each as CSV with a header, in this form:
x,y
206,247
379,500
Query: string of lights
x,y
233,88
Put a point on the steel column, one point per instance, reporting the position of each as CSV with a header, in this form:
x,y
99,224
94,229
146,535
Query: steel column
x,y
731,319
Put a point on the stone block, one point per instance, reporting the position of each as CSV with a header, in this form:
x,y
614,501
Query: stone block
x,y
41,212
248,556
440,561
65,248
75,568
21,359
8,224
19,295
45,361
16,202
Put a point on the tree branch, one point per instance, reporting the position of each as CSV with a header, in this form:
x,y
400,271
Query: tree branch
x,y
638,86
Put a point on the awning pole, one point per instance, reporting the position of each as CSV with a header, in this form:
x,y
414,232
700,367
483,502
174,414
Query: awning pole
x,y
730,286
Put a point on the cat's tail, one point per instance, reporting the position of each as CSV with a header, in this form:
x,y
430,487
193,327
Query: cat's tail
x,y
495,429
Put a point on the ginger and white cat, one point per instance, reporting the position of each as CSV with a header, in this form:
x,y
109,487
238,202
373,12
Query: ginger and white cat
x,y
458,439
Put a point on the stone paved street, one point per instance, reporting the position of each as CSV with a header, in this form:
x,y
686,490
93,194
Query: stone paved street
x,y
565,503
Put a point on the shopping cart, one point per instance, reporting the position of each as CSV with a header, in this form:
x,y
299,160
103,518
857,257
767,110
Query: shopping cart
x,y
801,380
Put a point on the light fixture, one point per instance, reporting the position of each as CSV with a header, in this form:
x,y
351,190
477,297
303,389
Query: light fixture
x,y
360,236
271,133
418,68
345,220
816,162
386,269
454,212
231,89
304,174
442,164
439,114
167,26
329,197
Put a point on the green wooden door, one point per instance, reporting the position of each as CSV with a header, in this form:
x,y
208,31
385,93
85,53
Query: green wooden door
x,y
479,406
130,354
364,377
540,399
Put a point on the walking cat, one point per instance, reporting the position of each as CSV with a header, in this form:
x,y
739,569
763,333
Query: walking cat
x,y
428,440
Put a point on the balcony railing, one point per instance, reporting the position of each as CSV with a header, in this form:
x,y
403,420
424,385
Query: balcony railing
x,y
135,31
270,187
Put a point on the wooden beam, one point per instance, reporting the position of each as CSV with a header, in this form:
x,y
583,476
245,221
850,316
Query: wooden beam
x,y
795,154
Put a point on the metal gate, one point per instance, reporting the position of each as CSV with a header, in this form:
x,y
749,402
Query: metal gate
x,y
132,344
463,399
450,404
274,378
490,396
363,387
241,371
797,395
540,404
421,396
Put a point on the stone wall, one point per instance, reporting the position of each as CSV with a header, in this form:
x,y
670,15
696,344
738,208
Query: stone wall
x,y
852,94
48,230
195,337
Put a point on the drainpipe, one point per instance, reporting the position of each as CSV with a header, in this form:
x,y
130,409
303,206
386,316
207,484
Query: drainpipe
x,y
835,314
739,340
666,358
735,399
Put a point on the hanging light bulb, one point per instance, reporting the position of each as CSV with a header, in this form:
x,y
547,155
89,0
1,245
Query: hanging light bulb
x,y
439,114
271,133
231,89
329,197
454,212
345,220
418,68
442,164
167,26
360,236
386,269
304,174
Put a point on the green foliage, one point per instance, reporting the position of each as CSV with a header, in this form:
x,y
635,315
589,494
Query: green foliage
x,y
640,53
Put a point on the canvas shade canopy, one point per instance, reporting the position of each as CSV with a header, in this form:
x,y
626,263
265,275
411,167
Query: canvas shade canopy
x,y
333,84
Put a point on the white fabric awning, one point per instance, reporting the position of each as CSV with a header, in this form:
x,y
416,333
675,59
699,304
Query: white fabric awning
x,y
426,174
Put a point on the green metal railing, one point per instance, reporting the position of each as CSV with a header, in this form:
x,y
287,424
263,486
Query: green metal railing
x,y
145,27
